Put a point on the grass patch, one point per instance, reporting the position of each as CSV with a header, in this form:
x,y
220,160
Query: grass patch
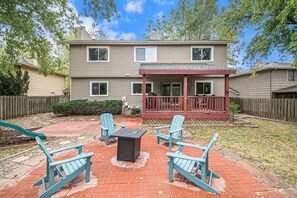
x,y
9,152
273,145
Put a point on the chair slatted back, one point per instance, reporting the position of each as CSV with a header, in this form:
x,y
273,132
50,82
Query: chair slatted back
x,y
210,145
177,123
43,148
107,121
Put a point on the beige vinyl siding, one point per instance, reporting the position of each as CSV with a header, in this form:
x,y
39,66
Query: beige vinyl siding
x,y
80,89
252,87
122,60
44,86
119,87
280,79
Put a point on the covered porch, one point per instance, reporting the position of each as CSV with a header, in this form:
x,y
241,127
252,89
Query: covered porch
x,y
182,99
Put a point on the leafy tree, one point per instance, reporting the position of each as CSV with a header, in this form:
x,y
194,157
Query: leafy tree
x,y
191,20
274,23
35,28
194,20
14,83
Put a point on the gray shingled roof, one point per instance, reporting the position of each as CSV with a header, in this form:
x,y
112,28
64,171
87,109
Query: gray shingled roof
x,y
267,66
181,66
289,89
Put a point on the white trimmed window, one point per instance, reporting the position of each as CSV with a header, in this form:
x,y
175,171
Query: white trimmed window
x,y
98,88
136,88
203,87
201,54
98,54
145,54
292,75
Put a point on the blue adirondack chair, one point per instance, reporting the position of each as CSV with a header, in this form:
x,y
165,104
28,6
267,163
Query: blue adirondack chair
x,y
107,127
174,132
189,166
67,169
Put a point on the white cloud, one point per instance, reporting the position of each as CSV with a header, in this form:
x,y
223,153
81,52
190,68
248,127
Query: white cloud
x,y
128,36
135,6
164,2
160,14
107,28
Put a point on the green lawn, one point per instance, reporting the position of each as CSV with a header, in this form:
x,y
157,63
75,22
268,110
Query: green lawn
x,y
273,145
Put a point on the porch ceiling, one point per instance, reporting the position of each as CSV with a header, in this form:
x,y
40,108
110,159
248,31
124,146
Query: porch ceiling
x,y
183,68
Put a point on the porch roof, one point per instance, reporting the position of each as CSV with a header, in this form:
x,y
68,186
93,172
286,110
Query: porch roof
x,y
183,68
290,89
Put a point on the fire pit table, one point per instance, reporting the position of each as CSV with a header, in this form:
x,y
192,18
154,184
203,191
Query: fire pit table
x,y
129,141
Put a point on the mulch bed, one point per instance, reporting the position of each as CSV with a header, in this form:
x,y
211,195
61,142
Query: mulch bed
x,y
12,137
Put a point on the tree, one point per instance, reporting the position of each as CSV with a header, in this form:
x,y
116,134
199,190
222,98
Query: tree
x,y
14,83
191,20
194,20
274,23
32,28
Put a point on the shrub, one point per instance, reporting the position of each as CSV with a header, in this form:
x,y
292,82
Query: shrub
x,y
135,111
234,109
84,107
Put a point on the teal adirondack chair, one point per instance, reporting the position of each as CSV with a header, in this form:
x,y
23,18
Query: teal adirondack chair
x,y
67,169
107,127
189,166
174,132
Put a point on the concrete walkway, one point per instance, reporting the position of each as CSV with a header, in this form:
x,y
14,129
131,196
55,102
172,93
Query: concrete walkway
x,y
148,177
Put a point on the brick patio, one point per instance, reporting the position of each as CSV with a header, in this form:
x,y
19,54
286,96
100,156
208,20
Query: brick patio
x,y
150,180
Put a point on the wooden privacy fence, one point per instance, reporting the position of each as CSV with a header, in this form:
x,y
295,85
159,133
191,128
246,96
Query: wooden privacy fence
x,y
281,109
17,106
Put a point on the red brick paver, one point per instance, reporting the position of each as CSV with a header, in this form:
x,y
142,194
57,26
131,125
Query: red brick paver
x,y
148,181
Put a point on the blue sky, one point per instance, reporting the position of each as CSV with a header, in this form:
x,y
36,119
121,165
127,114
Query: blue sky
x,y
134,17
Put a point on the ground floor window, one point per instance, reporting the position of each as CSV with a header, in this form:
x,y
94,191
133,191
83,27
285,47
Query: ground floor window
x,y
136,88
203,87
98,88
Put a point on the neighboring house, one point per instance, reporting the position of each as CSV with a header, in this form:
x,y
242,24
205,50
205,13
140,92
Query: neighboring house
x,y
163,78
272,80
41,85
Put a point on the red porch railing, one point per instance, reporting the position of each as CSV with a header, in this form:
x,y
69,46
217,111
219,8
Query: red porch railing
x,y
194,103
206,103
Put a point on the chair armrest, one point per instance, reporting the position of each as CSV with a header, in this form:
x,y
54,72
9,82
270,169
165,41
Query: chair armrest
x,y
78,146
120,125
161,127
191,145
174,155
81,156
177,130
103,128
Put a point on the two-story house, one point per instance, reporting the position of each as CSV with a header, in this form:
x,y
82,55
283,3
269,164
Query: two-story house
x,y
271,80
163,78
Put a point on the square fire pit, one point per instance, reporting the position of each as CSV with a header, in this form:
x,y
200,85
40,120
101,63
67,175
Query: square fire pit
x,y
129,142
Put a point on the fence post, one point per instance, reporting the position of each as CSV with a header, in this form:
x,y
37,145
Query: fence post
x,y
1,107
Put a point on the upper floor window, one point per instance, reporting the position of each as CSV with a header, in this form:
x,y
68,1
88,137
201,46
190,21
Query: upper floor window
x,y
201,53
98,88
203,87
136,88
292,75
98,54
145,54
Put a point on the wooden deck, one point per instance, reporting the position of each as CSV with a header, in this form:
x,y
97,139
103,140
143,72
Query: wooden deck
x,y
208,107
